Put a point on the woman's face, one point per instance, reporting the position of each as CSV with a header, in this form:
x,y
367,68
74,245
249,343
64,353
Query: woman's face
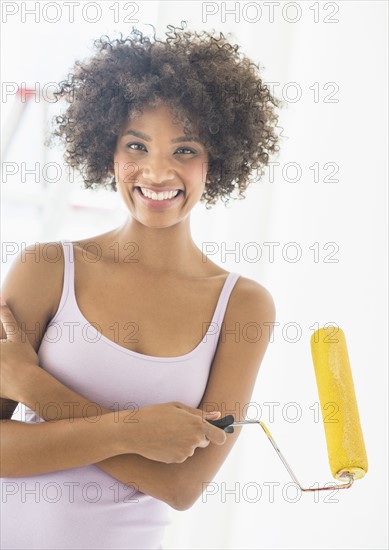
x,y
154,155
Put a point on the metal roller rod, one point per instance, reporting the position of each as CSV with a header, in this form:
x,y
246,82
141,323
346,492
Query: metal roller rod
x,y
346,485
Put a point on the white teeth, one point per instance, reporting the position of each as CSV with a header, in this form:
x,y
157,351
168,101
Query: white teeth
x,y
158,196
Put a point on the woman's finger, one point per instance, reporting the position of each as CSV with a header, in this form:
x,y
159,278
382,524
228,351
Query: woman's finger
x,y
9,322
214,413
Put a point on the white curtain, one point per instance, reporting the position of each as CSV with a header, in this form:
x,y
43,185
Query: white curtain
x,y
321,209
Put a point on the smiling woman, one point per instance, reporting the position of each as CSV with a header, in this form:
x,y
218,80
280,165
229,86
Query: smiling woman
x,y
117,423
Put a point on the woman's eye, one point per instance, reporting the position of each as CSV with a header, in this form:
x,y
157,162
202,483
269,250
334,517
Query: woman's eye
x,y
129,145
186,149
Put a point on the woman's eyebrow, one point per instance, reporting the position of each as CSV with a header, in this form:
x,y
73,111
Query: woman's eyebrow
x,y
186,138
145,137
138,134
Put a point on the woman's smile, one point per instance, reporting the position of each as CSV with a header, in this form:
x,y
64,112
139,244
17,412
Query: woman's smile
x,y
158,201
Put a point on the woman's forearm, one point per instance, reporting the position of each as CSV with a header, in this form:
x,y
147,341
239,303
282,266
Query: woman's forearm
x,y
32,449
51,399
156,479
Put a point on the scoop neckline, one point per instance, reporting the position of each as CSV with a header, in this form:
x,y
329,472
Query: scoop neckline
x,y
113,344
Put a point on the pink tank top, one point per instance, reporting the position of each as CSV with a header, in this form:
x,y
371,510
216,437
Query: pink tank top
x,y
85,508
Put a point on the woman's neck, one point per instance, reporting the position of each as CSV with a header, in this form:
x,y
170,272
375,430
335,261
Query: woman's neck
x,y
157,250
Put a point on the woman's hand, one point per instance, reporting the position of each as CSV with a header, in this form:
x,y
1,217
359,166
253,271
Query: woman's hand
x,y
168,432
17,355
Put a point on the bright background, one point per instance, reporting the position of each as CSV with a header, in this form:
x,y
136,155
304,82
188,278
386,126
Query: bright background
x,y
335,54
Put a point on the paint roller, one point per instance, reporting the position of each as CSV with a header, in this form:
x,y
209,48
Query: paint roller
x,y
345,445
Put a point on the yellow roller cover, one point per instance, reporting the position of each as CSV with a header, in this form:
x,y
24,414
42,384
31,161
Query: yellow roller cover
x,y
346,448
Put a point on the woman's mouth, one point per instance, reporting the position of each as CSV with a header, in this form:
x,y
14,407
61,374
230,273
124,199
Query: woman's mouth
x,y
158,200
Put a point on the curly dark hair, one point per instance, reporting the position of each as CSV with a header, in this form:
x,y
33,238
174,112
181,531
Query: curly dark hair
x,y
205,80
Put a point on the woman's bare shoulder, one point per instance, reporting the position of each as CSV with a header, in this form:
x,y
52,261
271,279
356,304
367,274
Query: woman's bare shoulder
x,y
39,259
33,283
251,296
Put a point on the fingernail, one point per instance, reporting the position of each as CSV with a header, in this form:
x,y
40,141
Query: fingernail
x,y
2,301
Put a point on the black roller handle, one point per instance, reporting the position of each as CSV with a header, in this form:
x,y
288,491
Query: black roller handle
x,y
224,423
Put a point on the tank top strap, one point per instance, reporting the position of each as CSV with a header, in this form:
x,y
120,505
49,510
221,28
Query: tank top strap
x,y
224,297
68,280
68,298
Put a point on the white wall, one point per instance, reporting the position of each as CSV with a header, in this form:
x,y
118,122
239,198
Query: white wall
x,y
351,292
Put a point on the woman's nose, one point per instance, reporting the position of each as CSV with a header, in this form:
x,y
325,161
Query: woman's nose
x,y
157,169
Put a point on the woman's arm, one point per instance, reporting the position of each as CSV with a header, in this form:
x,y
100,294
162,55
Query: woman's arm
x,y
32,449
38,448
229,389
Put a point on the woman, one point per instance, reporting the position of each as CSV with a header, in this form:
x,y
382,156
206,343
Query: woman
x,y
138,335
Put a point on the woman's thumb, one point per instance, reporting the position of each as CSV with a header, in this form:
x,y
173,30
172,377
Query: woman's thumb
x,y
214,414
